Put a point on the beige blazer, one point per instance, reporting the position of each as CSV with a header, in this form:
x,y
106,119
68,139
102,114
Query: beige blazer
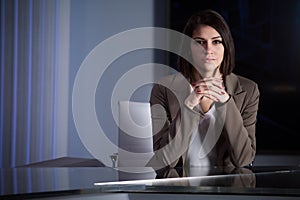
x,y
173,122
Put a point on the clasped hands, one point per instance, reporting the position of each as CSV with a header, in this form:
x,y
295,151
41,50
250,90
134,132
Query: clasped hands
x,y
211,89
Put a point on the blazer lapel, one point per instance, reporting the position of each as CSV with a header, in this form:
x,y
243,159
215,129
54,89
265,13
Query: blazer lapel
x,y
235,90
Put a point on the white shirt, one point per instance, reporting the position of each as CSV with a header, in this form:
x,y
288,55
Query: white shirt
x,y
201,148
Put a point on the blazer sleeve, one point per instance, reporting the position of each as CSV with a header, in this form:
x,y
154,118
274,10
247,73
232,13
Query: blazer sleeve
x,y
172,124
240,128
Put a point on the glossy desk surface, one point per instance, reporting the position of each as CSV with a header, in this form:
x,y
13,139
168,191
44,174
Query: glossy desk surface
x,y
48,181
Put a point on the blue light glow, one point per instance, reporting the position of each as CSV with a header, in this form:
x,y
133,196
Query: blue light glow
x,y
29,81
15,85
55,79
42,75
2,78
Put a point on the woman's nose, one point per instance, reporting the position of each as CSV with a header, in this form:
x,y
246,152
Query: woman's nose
x,y
208,47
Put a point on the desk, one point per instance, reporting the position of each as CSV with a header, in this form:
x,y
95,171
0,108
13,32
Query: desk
x,y
264,182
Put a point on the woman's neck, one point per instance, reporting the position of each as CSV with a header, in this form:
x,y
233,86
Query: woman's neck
x,y
216,73
208,75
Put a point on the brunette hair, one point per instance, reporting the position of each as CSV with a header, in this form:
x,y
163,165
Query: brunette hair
x,y
215,20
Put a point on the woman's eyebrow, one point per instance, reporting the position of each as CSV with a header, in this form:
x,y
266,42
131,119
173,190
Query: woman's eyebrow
x,y
200,38
217,37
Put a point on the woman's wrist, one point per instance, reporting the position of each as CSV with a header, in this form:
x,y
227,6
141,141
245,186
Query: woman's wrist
x,y
189,104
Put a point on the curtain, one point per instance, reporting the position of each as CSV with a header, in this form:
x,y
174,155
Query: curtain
x,y
34,95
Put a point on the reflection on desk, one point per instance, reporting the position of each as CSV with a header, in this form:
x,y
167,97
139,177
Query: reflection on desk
x,y
204,176
27,182
255,181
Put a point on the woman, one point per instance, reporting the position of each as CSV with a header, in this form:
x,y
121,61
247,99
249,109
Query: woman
x,y
205,115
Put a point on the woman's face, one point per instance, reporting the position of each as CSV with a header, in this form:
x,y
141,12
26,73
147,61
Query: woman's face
x,y
207,51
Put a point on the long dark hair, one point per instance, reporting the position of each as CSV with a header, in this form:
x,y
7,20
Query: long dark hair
x,y
215,20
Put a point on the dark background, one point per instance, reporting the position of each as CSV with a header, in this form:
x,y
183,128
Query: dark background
x,y
267,42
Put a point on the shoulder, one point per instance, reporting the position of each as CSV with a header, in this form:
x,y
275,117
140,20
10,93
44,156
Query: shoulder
x,y
239,82
170,85
174,82
236,84
170,79
245,80
163,83
247,83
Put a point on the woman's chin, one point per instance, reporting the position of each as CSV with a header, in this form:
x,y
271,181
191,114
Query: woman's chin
x,y
206,73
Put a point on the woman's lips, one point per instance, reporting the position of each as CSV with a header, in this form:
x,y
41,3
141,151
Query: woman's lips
x,y
210,60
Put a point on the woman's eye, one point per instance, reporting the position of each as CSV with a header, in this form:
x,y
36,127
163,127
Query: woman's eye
x,y
201,42
217,42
